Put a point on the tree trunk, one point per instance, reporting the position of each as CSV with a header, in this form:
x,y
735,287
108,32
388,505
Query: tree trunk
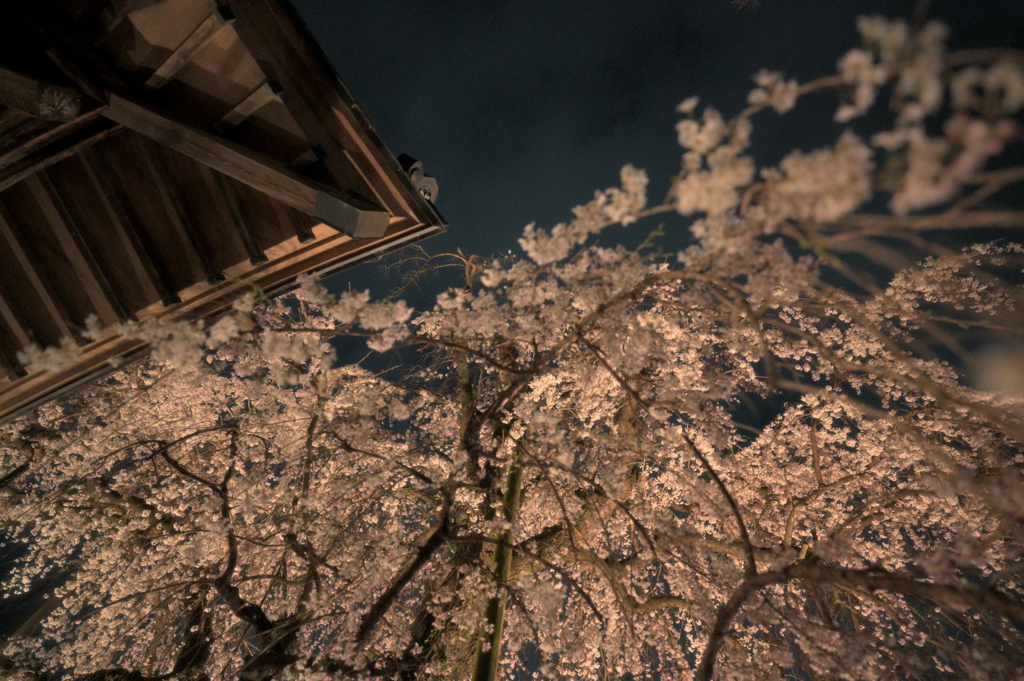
x,y
485,668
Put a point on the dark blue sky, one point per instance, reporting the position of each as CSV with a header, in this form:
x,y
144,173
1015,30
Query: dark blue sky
x,y
522,108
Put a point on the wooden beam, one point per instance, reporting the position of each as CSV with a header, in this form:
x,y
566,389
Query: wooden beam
x,y
141,253
105,302
350,214
325,111
55,153
51,136
204,33
39,99
178,210
51,302
259,98
226,198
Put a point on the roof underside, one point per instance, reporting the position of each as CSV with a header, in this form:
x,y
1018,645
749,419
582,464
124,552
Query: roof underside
x,y
213,150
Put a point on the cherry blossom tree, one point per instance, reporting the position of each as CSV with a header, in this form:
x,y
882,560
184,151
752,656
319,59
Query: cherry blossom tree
x,y
779,453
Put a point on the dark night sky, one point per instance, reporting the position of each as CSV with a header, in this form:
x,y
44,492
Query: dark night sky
x,y
521,109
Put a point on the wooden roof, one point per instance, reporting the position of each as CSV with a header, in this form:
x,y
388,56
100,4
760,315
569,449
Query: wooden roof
x,y
160,157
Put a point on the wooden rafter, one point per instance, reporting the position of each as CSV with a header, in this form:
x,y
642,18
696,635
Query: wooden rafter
x,y
227,200
8,369
13,322
179,210
141,253
302,231
105,302
19,332
257,99
197,40
65,147
53,305
353,215
51,136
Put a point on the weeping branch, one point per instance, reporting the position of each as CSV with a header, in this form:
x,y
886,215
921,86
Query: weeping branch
x,y
954,597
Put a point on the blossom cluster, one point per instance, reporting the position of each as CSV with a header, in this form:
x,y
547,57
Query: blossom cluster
x,y
755,460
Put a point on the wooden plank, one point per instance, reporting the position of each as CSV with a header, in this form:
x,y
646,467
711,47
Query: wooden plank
x,y
258,99
55,153
351,214
204,33
39,99
55,309
126,225
225,196
105,302
181,214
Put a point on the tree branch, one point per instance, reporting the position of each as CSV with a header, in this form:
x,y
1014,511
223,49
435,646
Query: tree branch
x,y
952,596
405,575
